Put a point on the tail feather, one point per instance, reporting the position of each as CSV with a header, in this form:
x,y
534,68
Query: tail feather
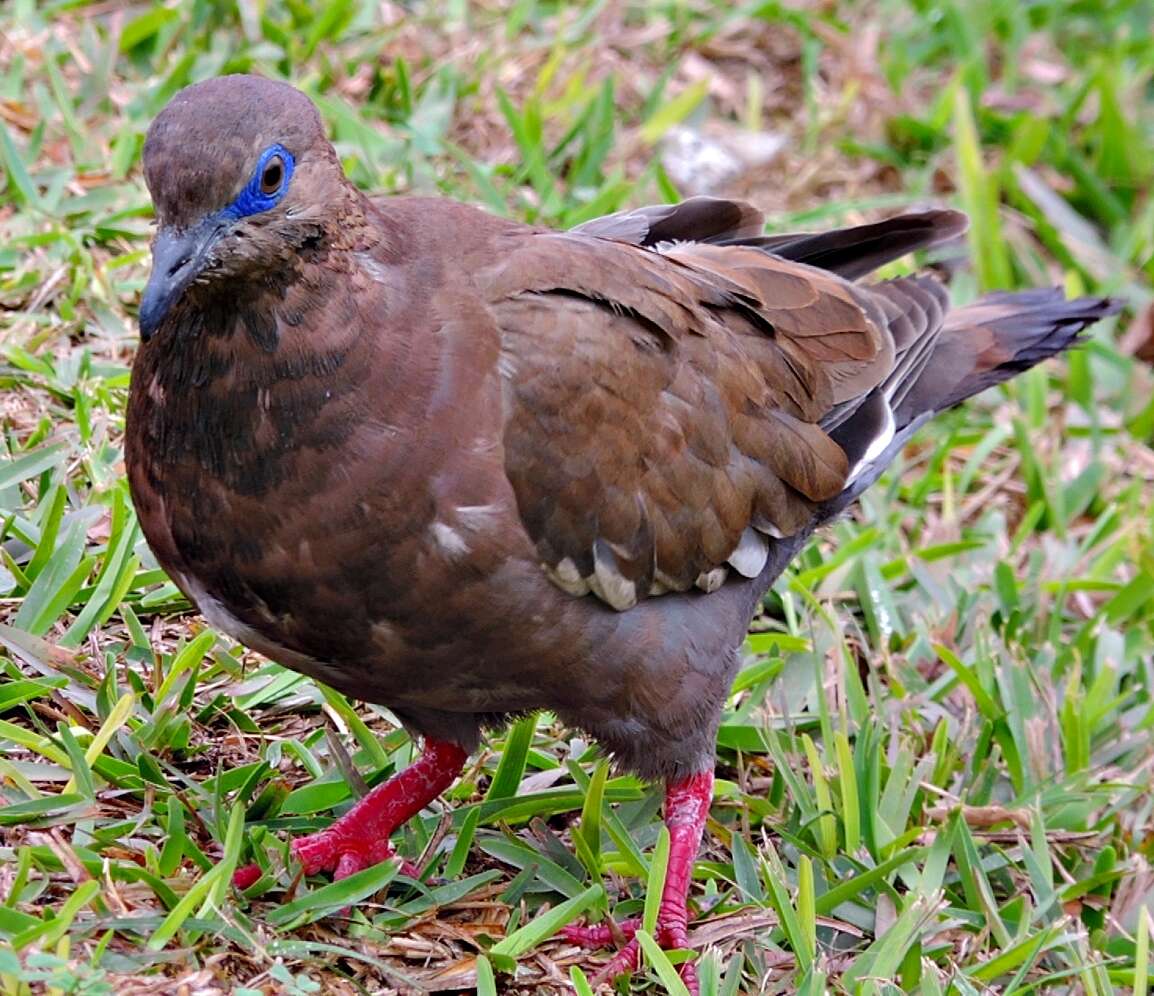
x,y
996,338
980,345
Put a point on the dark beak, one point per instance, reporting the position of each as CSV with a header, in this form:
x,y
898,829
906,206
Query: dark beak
x,y
177,258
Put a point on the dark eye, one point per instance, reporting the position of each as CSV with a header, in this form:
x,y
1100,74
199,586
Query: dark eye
x,y
270,179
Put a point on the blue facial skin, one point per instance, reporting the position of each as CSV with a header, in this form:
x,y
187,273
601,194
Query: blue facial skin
x,y
178,256
252,200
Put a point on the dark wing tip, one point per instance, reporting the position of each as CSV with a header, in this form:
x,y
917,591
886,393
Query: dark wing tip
x,y
944,223
854,252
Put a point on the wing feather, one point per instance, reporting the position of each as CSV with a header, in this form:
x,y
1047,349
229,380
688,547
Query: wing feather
x,y
673,406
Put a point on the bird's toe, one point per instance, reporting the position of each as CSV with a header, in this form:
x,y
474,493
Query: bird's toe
x,y
623,935
319,852
688,973
344,855
348,864
246,876
624,962
601,935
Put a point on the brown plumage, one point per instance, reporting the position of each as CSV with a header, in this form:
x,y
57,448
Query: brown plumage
x,y
465,467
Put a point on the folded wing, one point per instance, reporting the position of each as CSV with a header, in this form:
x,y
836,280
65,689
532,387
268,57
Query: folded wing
x,y
679,392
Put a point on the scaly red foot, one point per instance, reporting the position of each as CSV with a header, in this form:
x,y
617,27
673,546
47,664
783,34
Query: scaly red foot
x,y
360,838
332,850
686,808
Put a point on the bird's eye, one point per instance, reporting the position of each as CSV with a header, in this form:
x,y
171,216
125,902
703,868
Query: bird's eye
x,y
266,185
270,179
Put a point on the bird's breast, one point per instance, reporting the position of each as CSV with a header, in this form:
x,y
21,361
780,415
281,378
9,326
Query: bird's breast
x,y
312,508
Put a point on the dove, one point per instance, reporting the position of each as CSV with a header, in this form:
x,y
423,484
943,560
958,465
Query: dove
x,y
467,468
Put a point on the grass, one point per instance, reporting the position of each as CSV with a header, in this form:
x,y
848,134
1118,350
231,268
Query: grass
x,y
934,775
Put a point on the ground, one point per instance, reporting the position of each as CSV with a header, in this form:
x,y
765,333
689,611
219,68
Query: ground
x,y
934,775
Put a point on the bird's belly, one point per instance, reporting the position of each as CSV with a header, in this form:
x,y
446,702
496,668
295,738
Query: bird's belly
x,y
264,640
434,660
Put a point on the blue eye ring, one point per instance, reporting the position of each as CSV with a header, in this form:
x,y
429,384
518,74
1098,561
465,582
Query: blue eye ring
x,y
255,198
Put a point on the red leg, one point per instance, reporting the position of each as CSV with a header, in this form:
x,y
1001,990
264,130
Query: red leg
x,y
360,838
686,809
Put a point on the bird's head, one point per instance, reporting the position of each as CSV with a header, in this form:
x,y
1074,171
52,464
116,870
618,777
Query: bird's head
x,y
241,177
